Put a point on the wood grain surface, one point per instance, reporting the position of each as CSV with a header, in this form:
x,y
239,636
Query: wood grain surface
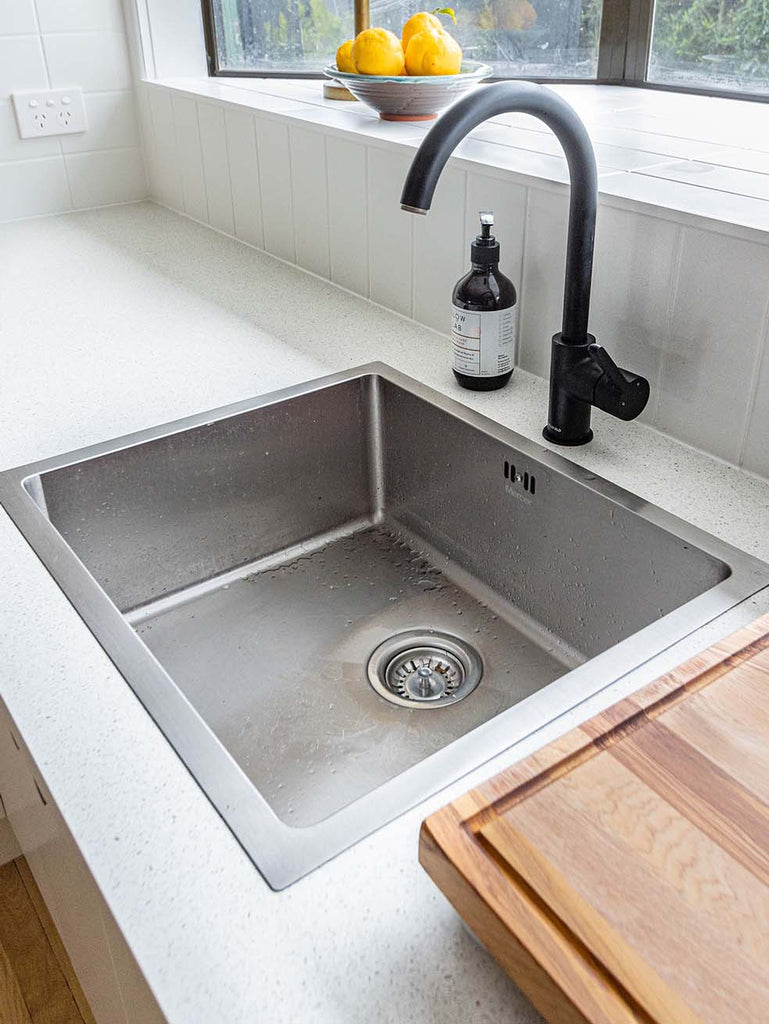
x,y
37,982
622,873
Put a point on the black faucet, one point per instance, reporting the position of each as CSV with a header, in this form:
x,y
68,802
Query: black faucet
x,y
582,373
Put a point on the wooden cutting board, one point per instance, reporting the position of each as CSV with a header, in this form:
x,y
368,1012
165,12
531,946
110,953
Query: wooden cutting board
x,y
622,873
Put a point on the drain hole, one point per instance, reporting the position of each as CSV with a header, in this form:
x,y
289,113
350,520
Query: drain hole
x,y
424,673
424,669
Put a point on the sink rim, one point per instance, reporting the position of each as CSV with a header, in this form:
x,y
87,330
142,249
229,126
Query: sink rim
x,y
283,853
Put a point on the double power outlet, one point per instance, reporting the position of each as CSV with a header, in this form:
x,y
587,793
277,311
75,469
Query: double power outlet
x,y
50,112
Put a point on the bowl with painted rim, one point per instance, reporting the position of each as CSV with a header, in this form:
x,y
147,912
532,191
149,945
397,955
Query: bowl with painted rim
x,y
411,97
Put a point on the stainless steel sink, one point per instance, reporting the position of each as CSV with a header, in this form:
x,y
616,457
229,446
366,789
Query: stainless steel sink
x,y
340,597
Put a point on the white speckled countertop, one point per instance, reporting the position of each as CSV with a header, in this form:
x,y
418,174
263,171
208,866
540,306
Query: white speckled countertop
x,y
146,317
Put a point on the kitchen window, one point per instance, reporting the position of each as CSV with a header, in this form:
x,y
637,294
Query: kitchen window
x,y
713,46
720,43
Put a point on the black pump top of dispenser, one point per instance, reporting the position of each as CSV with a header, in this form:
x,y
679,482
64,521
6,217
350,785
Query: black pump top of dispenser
x,y
485,248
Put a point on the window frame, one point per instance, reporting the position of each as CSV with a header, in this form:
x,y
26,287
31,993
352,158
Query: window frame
x,y
624,48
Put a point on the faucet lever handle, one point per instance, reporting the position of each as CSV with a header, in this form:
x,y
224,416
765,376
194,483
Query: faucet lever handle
x,y
618,392
609,367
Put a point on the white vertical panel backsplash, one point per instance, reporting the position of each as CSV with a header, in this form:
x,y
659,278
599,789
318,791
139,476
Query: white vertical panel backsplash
x,y
347,214
390,248
686,307
718,317
755,456
310,199
439,257
240,132
216,167
275,187
190,157
544,266
165,164
635,261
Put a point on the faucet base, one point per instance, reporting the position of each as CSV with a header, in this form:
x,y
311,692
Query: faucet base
x,y
571,442
572,375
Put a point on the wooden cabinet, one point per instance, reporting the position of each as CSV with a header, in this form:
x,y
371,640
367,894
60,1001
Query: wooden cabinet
x,y
111,980
621,874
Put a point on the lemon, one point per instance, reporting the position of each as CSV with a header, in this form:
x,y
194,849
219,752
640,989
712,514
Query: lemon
x,y
375,51
433,53
417,23
344,58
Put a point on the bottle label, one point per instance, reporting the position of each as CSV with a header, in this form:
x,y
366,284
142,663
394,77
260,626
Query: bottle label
x,y
484,343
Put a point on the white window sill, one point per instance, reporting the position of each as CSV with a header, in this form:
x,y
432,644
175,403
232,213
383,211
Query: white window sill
x,y
683,157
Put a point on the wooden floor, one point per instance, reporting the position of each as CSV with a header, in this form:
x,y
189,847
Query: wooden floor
x,y
37,983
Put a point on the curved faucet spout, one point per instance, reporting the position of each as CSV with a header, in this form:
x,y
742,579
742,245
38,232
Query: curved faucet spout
x,y
525,97
582,373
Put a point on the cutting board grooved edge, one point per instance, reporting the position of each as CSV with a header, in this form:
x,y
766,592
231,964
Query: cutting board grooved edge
x,y
706,677
558,924
463,894
607,737
525,790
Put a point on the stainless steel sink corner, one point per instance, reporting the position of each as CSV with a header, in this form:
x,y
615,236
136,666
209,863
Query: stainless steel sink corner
x,y
253,570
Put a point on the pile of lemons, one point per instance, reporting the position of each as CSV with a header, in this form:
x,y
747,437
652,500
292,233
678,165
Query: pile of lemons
x,y
425,48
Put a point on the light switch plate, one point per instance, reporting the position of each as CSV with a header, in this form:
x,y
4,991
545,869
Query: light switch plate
x,y
49,112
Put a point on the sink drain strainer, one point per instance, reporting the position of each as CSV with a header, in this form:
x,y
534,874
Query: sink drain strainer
x,y
423,668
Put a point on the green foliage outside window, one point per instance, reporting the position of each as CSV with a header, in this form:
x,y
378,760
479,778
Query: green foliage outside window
x,y
715,36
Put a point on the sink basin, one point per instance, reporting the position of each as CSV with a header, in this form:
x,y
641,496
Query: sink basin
x,y
338,598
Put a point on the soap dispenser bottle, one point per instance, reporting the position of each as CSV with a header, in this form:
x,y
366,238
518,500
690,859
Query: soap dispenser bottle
x,y
484,326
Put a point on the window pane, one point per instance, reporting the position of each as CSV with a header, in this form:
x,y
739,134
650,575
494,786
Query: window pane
x,y
536,38
717,44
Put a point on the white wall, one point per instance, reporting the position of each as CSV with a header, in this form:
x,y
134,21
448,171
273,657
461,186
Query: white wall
x,y
684,305
62,43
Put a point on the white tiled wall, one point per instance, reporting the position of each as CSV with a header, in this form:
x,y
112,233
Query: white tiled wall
x,y
687,307
60,43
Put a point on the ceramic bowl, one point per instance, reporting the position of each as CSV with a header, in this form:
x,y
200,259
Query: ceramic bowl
x,y
407,98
